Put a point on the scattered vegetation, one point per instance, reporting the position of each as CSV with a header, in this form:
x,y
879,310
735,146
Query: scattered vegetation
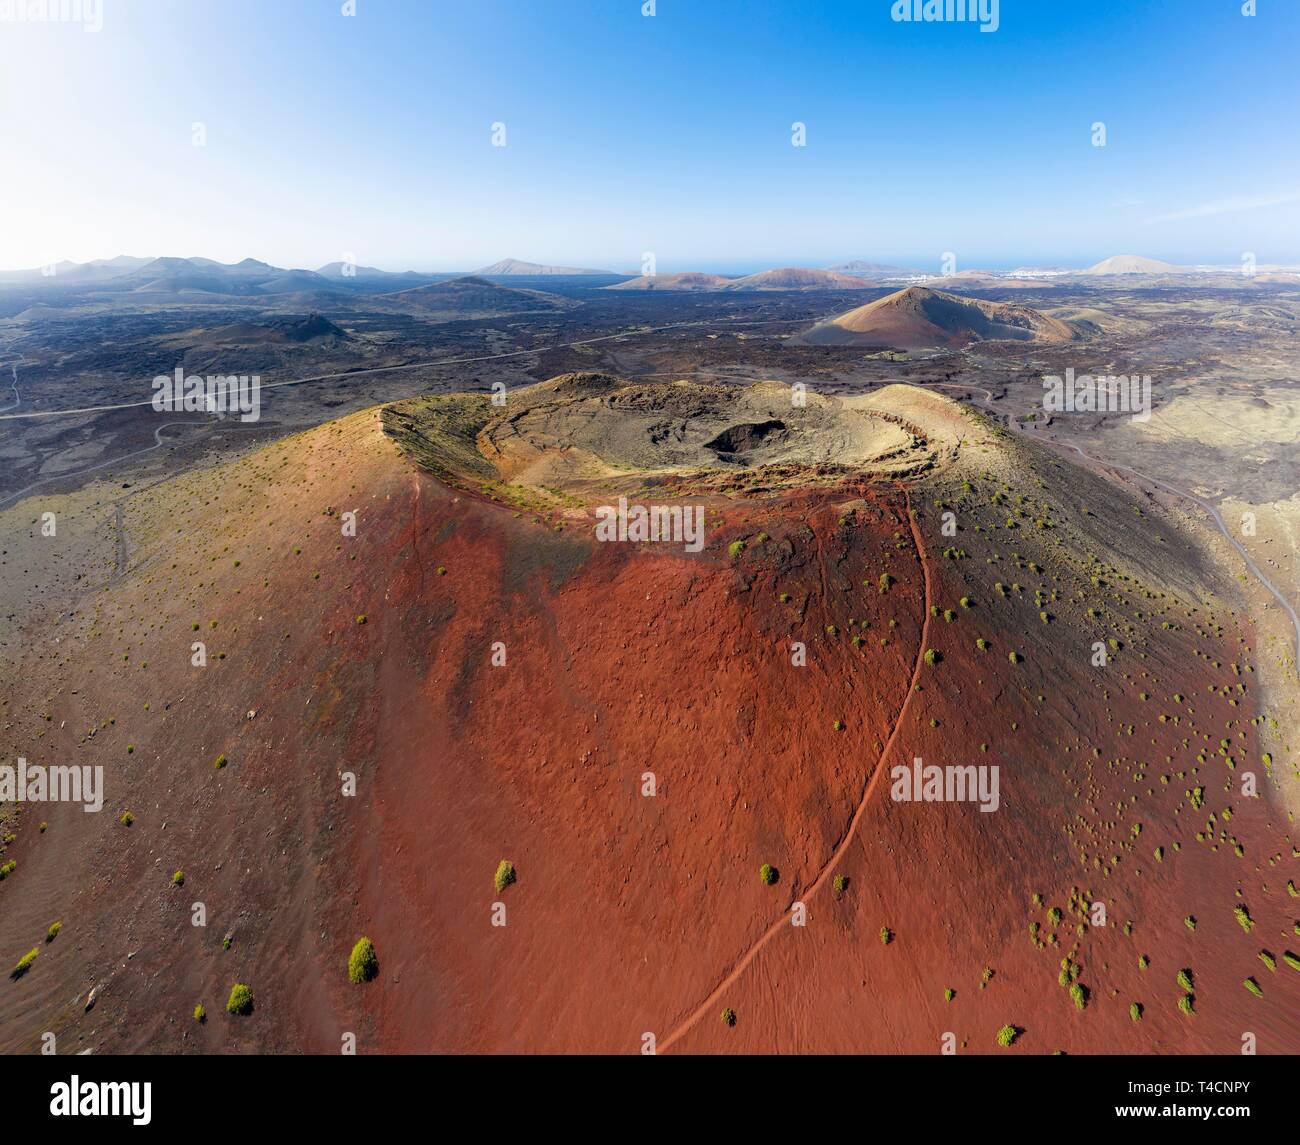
x,y
505,875
24,963
363,962
241,1000
728,1017
1007,1035
768,874
53,932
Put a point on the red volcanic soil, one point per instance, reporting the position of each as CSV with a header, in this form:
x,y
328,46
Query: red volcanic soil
x,y
375,660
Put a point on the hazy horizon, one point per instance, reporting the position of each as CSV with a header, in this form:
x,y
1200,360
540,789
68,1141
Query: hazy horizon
x,y
300,136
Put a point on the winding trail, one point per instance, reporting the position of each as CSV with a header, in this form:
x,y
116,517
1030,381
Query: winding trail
x,y
159,443
850,833
349,374
17,397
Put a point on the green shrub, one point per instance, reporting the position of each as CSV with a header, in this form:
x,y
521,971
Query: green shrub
x,y
200,1014
768,874
1187,1003
363,962
24,963
1185,980
886,935
178,879
220,761
840,883
1079,995
728,1017
1253,987
505,875
241,1000
1135,1011
932,656
1268,960
949,994
1291,960
1242,915
127,819
1007,1035
53,932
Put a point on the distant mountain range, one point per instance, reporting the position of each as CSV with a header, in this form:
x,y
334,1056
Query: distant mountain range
x,y
509,266
251,277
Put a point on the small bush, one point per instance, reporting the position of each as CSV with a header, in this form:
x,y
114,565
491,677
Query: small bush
x,y
241,1000
1007,1035
24,963
200,1014
1135,1011
932,656
1079,995
220,761
1014,657
178,879
53,932
1242,915
363,962
505,875
127,819
1187,1003
1253,987
728,1017
768,874
1185,980
840,883
886,935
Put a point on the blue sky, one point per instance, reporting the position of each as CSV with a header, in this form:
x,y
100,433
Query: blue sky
x,y
370,135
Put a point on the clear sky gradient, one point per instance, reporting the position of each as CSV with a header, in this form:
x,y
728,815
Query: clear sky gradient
x,y
370,135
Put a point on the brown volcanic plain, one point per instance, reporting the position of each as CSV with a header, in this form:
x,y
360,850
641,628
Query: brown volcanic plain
x,y
372,656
